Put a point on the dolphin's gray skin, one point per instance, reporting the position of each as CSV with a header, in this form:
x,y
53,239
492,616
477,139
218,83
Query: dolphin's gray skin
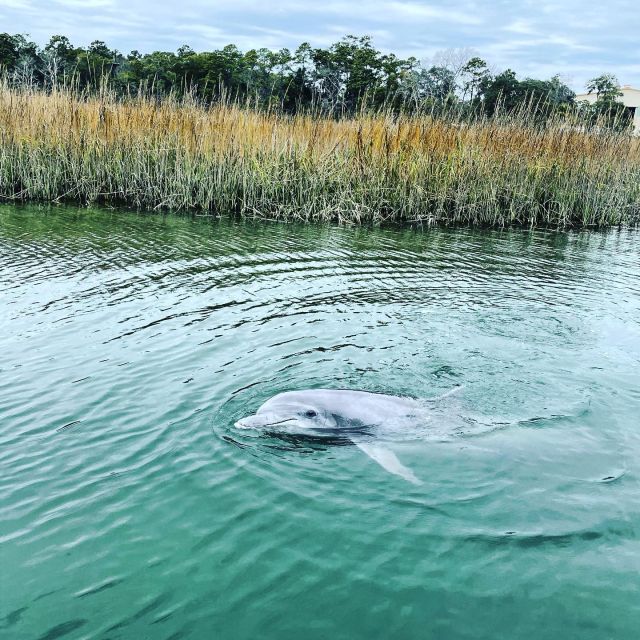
x,y
367,419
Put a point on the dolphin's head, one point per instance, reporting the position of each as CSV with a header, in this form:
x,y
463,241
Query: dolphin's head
x,y
291,413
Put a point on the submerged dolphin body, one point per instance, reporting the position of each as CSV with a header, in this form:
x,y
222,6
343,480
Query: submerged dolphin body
x,y
366,419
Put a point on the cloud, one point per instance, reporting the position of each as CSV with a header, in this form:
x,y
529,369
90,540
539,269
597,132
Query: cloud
x,y
520,26
86,4
15,4
419,11
514,46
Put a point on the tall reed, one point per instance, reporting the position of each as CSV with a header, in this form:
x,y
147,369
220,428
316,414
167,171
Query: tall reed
x,y
232,159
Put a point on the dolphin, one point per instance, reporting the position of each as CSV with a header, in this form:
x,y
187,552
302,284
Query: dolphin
x,y
366,419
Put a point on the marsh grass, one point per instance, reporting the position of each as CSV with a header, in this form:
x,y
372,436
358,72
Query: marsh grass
x,y
232,159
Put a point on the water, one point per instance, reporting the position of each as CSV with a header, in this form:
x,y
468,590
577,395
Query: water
x,y
131,508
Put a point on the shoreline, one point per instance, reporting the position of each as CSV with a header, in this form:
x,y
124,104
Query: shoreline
x,y
53,208
376,169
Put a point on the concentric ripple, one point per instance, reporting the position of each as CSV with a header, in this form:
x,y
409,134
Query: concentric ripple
x,y
132,508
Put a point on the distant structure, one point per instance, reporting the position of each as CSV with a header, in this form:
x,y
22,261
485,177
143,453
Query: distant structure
x,y
630,98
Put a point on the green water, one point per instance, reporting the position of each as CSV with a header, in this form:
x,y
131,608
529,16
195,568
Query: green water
x,y
131,507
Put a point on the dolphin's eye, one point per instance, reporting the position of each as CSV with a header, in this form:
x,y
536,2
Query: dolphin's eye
x,y
310,413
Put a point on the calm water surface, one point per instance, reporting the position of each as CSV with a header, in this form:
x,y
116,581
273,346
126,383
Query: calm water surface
x,y
131,507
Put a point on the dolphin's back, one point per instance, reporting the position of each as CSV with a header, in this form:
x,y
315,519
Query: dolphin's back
x,y
352,407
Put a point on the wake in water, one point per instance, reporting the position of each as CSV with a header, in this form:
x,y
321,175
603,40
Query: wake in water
x,y
373,422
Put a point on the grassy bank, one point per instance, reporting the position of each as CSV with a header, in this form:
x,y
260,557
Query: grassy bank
x,y
230,159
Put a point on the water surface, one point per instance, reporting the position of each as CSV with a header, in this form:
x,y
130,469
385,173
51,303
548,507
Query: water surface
x,y
131,508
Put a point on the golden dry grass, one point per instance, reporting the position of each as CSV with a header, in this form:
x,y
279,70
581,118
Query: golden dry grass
x,y
230,159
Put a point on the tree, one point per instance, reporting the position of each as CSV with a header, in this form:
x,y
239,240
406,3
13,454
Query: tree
x,y
9,52
503,91
559,92
19,57
96,63
540,97
299,91
352,71
607,111
606,87
454,60
474,73
154,71
339,78
438,83
59,59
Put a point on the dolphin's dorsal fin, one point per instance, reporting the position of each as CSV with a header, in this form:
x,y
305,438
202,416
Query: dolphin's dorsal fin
x,y
388,461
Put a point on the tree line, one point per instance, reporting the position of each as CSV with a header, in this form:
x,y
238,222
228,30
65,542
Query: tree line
x,y
337,79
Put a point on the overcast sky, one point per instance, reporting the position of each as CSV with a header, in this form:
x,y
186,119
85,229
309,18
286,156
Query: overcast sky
x,y
575,38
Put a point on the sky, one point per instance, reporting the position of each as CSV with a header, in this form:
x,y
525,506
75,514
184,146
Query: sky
x,y
578,39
